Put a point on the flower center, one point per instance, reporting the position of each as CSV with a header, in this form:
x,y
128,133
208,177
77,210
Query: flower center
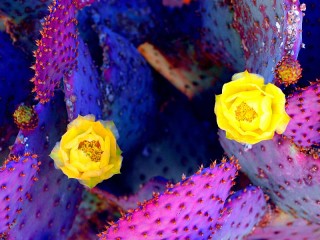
x,y
245,113
92,149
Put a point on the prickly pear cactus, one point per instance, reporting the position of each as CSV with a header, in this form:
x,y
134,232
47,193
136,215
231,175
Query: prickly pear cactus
x,y
288,175
302,107
81,87
183,210
279,225
172,150
264,37
309,56
129,64
21,10
57,49
59,197
99,202
17,177
129,89
216,19
186,216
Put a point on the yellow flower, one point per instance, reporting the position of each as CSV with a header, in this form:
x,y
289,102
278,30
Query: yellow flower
x,y
250,111
88,151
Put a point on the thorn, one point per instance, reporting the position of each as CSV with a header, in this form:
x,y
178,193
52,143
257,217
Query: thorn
x,y
183,177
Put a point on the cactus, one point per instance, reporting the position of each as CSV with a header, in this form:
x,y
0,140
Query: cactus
x,y
172,150
54,59
288,175
21,21
130,19
17,177
309,55
243,210
302,107
81,87
264,38
279,225
98,202
51,209
110,59
180,211
216,19
14,89
19,11
128,90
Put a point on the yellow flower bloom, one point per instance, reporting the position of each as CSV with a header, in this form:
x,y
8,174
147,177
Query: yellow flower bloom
x,y
88,151
250,111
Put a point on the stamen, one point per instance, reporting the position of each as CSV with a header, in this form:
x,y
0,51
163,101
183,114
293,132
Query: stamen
x,y
245,113
92,149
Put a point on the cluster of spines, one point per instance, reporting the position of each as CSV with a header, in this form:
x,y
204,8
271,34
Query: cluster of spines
x,y
48,214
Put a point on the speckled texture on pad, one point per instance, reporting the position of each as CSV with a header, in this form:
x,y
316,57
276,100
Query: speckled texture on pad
x,y
264,36
16,178
129,98
97,202
243,210
19,10
174,149
303,108
187,210
81,87
289,176
57,49
282,226
219,39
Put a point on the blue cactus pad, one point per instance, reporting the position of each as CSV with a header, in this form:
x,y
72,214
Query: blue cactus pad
x,y
129,95
219,40
81,87
21,10
180,145
309,57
